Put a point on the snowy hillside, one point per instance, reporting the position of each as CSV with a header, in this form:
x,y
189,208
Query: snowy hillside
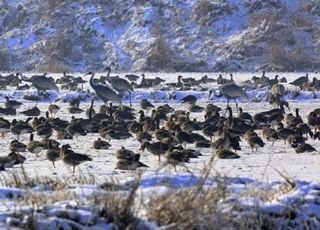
x,y
179,35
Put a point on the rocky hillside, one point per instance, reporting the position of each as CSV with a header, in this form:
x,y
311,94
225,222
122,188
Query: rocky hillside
x,y
160,35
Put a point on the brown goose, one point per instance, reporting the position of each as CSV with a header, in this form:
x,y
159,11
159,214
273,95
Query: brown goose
x,y
253,140
16,146
182,137
4,126
226,154
34,146
146,105
53,109
224,141
53,154
100,144
71,158
156,148
176,158
270,134
128,160
20,128
163,135
12,103
33,112
303,147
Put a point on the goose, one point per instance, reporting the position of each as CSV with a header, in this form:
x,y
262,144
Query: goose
x,y
176,158
190,126
195,108
210,131
90,112
128,160
63,135
278,91
75,129
53,109
189,99
305,129
34,146
300,81
33,112
44,131
7,111
230,91
237,124
4,126
283,133
132,77
17,158
20,128
123,164
6,162
75,110
146,105
253,140
226,154
270,134
244,116
71,158
104,92
203,143
224,141
182,137
53,154
303,147
119,84
142,137
163,135
156,148
135,127
109,133
12,103
274,81
16,146
100,144
41,82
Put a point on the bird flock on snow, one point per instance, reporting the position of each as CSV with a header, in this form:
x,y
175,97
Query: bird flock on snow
x,y
171,135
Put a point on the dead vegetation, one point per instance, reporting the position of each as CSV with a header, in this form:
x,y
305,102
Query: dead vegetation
x,y
208,204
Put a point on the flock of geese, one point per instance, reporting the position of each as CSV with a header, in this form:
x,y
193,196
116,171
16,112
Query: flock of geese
x,y
163,131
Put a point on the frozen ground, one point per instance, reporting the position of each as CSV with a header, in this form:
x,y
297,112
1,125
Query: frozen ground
x,y
260,168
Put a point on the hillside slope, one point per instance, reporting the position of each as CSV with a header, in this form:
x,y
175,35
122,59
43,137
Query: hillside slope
x,y
166,35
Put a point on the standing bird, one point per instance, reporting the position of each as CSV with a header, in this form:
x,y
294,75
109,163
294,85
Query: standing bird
x,y
278,90
53,154
42,82
119,84
230,91
146,105
299,82
53,109
104,92
71,158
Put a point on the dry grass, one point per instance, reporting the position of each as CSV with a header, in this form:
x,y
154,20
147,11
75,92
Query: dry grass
x,y
201,206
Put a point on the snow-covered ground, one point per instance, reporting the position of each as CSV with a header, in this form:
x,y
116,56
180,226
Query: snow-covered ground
x,y
261,169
